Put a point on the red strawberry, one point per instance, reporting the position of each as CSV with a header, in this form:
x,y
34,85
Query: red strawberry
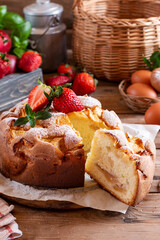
x,y
13,62
83,84
58,80
36,99
5,42
30,61
4,65
66,69
67,102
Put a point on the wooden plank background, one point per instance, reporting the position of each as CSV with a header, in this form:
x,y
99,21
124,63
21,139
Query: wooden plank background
x,y
18,5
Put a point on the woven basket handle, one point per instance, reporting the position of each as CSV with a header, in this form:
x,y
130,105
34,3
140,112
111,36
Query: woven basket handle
x,y
77,3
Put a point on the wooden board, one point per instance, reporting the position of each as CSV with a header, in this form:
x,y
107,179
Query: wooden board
x,y
50,204
16,87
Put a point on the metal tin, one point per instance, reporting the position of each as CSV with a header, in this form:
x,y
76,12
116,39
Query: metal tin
x,y
41,13
51,45
48,33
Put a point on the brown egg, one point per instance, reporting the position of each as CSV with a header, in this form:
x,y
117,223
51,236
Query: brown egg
x,y
141,76
141,90
155,79
152,115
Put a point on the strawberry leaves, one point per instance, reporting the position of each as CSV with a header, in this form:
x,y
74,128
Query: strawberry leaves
x,y
43,115
56,91
21,121
3,57
32,117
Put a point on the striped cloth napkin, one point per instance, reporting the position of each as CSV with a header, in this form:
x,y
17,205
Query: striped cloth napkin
x,y
8,226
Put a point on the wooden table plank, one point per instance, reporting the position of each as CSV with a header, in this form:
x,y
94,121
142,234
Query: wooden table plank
x,y
109,97
87,224
132,118
155,188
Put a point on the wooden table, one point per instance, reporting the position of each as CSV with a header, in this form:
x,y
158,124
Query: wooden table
x,y
140,222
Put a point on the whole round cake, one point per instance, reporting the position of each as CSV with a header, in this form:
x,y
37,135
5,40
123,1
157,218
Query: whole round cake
x,y
54,151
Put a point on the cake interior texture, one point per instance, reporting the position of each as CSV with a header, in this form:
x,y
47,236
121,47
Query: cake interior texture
x,y
86,123
111,163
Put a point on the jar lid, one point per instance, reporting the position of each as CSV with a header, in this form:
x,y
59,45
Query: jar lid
x,y
43,7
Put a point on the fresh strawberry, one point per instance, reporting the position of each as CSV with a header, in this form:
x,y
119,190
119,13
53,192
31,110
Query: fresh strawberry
x,y
30,61
67,102
36,99
4,65
67,70
13,63
58,80
83,84
5,42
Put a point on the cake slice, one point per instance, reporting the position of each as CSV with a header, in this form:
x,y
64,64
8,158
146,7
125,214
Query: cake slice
x,y
122,165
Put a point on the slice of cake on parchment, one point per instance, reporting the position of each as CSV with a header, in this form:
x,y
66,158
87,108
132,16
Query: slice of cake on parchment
x,y
122,165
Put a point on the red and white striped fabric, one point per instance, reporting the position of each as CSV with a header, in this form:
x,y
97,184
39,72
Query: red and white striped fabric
x,y
8,226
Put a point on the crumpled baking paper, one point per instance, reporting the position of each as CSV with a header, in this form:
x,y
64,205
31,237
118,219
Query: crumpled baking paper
x,y
91,195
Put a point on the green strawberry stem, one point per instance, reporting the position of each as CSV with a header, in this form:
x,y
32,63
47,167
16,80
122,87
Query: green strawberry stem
x,y
3,57
67,65
95,82
43,85
4,41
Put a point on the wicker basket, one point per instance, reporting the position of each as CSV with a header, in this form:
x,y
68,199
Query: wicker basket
x,y
137,104
110,36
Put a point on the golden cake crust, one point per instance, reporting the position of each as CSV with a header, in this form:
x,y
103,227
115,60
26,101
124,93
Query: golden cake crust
x,y
48,155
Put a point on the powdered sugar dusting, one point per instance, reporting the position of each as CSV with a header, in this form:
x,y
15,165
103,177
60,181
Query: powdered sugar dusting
x,y
119,135
71,139
111,119
57,131
34,133
50,121
126,148
89,102
57,114
135,156
8,120
13,112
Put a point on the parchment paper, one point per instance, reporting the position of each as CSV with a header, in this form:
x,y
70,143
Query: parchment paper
x,y
91,195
